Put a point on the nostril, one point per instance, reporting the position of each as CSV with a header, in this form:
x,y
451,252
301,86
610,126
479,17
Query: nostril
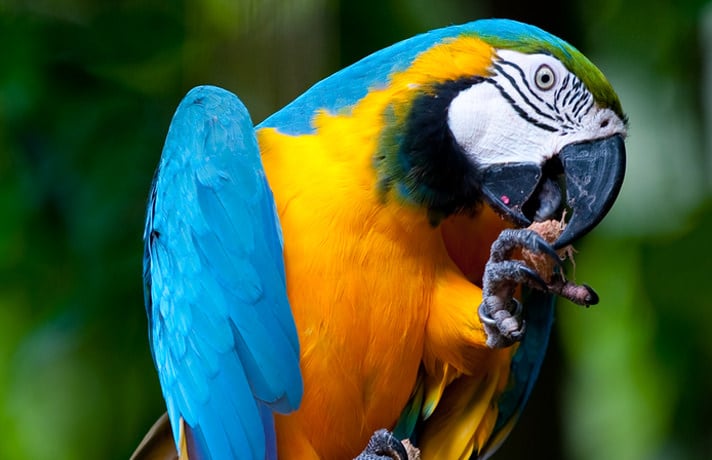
x,y
604,123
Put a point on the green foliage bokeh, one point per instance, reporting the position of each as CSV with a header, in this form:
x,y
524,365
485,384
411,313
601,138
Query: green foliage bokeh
x,y
87,90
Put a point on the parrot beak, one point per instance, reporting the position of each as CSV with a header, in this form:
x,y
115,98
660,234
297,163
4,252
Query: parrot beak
x,y
509,186
593,174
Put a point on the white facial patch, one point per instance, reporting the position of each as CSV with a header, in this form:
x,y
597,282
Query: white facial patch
x,y
491,131
529,109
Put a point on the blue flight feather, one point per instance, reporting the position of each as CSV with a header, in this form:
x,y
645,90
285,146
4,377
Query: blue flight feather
x,y
222,334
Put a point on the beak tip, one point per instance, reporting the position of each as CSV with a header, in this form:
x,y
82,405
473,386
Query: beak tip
x,y
594,175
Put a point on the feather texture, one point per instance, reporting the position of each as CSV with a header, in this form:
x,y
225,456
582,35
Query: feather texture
x,y
222,334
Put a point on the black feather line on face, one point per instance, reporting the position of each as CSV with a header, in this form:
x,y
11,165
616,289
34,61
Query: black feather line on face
x,y
437,172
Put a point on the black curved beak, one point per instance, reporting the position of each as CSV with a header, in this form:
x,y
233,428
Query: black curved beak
x,y
593,173
509,186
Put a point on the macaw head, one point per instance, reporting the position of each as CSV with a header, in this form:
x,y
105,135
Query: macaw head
x,y
492,111
543,131
534,129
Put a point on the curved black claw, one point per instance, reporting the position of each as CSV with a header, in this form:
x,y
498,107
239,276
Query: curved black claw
x,y
500,312
521,238
383,446
502,274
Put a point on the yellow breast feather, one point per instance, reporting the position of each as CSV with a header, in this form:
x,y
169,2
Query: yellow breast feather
x,y
375,293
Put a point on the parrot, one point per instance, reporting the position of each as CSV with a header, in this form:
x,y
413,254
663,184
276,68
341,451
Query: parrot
x,y
342,279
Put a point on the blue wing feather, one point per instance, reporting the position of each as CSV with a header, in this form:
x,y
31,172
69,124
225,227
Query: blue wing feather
x,y
525,367
222,335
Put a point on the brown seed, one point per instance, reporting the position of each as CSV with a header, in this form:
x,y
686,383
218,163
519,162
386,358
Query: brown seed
x,y
542,263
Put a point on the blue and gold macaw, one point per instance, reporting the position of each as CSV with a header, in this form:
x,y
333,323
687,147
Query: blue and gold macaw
x,y
348,264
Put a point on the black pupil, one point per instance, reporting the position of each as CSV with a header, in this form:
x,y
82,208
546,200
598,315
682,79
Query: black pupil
x,y
545,78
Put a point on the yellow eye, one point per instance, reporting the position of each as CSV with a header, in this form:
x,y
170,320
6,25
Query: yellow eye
x,y
544,77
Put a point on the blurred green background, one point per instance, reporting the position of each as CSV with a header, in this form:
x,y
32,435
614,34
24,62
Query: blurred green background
x,y
87,89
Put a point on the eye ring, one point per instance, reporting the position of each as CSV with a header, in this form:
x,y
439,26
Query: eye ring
x,y
544,77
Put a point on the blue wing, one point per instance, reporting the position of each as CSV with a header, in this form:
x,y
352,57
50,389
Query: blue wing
x,y
525,367
222,334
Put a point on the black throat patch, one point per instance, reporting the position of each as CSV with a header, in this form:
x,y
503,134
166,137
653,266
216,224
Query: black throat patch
x,y
421,159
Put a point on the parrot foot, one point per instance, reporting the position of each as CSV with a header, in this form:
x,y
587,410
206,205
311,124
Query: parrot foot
x,y
383,446
500,312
